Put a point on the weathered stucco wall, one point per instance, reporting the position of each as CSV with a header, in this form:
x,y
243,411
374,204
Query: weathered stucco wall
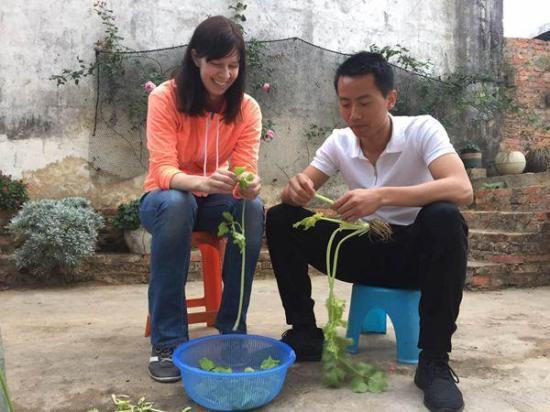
x,y
45,129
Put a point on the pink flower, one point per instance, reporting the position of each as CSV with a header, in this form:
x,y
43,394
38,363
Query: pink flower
x,y
149,86
269,135
266,87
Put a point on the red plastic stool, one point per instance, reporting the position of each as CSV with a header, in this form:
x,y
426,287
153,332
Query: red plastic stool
x,y
212,251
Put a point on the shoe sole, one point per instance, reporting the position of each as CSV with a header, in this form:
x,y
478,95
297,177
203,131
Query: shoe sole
x,y
170,379
431,408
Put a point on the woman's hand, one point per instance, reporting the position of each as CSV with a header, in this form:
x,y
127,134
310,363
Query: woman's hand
x,y
221,181
253,187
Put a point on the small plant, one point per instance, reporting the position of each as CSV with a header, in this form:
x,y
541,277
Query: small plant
x,y
127,217
112,42
57,234
400,55
338,367
123,403
470,147
495,185
538,160
316,134
267,133
4,395
237,231
13,193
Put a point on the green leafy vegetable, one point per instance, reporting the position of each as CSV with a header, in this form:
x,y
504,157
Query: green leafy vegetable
x,y
221,369
237,231
269,363
338,367
206,364
209,365
123,403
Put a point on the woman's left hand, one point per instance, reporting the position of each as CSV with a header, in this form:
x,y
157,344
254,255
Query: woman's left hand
x,y
252,190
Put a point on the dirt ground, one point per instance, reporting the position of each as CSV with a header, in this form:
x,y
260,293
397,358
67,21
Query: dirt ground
x,y
68,349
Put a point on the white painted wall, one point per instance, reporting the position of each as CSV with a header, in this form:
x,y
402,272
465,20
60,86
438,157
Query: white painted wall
x,y
41,124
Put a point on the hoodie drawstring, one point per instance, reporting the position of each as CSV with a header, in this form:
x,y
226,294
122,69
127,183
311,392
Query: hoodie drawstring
x,y
204,172
217,143
205,152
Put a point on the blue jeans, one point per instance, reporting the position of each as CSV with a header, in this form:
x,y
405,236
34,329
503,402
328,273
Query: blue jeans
x,y
171,216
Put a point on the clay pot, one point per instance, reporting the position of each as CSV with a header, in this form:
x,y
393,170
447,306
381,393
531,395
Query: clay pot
x,y
5,217
510,163
138,241
471,160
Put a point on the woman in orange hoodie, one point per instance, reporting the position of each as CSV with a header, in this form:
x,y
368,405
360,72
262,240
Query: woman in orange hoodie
x,y
200,126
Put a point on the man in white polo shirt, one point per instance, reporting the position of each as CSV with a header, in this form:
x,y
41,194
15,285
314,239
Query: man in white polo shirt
x,y
405,171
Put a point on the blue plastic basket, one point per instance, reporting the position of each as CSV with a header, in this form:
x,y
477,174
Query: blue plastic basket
x,y
238,390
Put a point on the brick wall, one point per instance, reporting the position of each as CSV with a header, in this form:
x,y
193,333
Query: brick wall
x,y
527,63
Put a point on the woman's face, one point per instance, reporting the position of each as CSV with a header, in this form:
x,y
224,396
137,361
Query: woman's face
x,y
217,75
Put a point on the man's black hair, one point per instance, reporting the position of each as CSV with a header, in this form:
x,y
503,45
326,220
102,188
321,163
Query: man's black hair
x,y
367,63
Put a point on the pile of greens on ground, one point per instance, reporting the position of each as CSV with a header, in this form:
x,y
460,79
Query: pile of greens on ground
x,y
123,403
338,367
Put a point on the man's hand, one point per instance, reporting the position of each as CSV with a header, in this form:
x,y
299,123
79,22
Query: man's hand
x,y
252,189
358,203
221,181
299,191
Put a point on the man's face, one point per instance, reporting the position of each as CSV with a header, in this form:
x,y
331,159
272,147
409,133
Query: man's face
x,y
363,106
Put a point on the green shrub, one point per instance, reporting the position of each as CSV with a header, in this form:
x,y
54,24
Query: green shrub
x,y
470,147
57,234
13,193
127,217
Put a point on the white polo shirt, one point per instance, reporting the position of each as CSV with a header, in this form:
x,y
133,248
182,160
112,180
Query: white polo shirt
x,y
416,141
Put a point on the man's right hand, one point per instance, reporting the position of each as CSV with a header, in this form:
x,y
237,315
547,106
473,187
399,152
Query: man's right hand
x,y
299,191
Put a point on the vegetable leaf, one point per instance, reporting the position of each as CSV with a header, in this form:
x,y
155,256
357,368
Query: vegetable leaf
x,y
377,382
239,170
206,364
338,367
269,363
221,369
358,385
222,229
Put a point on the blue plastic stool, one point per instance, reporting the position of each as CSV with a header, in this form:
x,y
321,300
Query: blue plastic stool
x,y
367,314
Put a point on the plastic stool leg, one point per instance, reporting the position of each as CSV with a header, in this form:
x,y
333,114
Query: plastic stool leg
x,y
375,322
212,281
357,312
406,322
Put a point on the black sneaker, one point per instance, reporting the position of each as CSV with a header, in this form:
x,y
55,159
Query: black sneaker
x,y
161,367
438,381
307,343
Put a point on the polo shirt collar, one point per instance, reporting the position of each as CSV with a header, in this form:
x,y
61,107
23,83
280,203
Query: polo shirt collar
x,y
395,145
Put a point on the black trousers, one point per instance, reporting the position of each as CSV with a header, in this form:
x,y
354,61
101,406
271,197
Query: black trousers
x,y
430,255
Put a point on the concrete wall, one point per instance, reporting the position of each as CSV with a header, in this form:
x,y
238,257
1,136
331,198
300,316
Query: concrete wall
x,y
45,130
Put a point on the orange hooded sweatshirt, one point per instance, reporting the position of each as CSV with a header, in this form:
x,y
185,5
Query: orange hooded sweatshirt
x,y
197,145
